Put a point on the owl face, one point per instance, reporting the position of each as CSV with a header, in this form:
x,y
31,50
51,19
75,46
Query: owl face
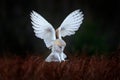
x,y
59,42
59,45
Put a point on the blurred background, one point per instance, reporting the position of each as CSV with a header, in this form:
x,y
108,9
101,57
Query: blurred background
x,y
99,33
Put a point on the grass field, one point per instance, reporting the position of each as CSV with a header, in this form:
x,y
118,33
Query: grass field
x,y
81,67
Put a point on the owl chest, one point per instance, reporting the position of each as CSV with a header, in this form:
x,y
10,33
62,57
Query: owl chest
x,y
58,49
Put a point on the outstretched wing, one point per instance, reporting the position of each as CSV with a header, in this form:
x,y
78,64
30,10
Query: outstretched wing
x,y
42,28
71,24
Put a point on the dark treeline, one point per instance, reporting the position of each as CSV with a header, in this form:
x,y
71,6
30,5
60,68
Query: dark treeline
x,y
99,32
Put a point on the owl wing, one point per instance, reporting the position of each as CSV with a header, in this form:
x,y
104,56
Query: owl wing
x,y
42,29
70,24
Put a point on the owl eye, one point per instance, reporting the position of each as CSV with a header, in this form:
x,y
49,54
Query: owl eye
x,y
60,46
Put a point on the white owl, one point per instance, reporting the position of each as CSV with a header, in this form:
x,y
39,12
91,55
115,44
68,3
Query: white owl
x,y
53,38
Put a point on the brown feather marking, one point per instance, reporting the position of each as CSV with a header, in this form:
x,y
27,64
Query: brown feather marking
x,y
57,33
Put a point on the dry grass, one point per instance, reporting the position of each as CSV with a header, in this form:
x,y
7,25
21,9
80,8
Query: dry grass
x,y
77,68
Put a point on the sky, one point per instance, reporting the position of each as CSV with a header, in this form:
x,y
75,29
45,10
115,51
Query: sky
x,y
99,32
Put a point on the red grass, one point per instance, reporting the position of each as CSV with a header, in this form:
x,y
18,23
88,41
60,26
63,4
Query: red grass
x,y
77,68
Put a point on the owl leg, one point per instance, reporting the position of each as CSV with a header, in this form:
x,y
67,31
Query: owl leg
x,y
58,57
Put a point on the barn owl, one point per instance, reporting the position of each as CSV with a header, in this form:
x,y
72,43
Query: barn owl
x,y
53,38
